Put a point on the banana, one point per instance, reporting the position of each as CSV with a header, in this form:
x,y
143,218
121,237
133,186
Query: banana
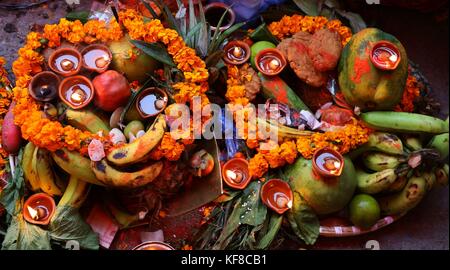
x,y
405,200
280,130
398,185
413,143
29,173
76,165
441,144
430,179
86,120
442,175
381,142
123,218
42,166
137,150
377,161
372,183
404,122
75,194
115,178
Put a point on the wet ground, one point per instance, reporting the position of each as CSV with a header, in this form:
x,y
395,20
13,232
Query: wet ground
x,y
426,41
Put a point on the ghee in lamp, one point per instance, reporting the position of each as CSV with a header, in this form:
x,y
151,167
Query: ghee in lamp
x,y
235,173
385,55
151,102
76,92
44,86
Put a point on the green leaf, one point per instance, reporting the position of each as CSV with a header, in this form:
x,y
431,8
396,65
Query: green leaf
x,y
214,58
155,50
169,18
204,35
356,21
14,190
309,7
303,220
192,35
82,16
67,224
22,235
253,210
263,33
273,228
230,228
218,40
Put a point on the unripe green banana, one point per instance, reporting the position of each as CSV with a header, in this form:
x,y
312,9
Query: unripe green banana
x,y
372,183
442,175
440,143
413,143
430,179
404,122
378,162
381,142
407,199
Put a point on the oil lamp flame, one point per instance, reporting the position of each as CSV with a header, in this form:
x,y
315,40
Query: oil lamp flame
x,y
237,51
67,65
102,61
78,96
274,64
33,212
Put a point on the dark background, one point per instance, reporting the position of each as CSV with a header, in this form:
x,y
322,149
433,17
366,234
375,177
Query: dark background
x,y
422,29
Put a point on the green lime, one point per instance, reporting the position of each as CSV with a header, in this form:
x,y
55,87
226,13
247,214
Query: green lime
x,y
257,47
364,211
133,127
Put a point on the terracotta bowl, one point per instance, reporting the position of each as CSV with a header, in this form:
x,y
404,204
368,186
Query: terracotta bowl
x,y
39,199
274,52
92,47
44,78
241,44
269,193
146,92
390,46
323,173
64,51
153,245
240,163
221,7
65,86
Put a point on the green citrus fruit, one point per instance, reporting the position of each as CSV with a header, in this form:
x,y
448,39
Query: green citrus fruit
x,y
133,127
364,211
257,47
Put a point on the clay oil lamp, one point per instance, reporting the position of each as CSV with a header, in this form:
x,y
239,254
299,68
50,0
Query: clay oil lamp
x,y
96,57
270,62
385,55
44,86
277,195
151,102
39,209
236,52
153,245
77,91
328,163
236,173
65,61
214,12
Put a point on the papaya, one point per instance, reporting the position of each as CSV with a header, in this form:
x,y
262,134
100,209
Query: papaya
x,y
323,195
362,83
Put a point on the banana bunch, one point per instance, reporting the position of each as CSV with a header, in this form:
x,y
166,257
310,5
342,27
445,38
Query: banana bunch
x,y
399,172
38,171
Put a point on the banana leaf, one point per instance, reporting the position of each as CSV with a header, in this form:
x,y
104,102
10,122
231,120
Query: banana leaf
x,y
309,7
304,222
14,190
274,224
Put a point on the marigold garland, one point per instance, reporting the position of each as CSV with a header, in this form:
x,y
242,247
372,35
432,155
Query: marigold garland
x,y
5,101
290,25
412,91
52,135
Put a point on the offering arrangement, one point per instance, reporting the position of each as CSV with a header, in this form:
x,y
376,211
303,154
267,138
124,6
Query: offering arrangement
x,y
149,125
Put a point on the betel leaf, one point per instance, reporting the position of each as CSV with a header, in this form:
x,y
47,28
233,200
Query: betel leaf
x,y
14,190
303,220
253,210
67,224
356,21
22,235
82,16
309,7
154,50
273,227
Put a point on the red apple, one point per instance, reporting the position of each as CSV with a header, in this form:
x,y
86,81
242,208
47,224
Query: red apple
x,y
111,90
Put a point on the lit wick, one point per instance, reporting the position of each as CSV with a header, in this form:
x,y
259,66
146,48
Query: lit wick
x,y
274,64
78,96
282,201
102,62
67,65
393,58
45,90
237,51
235,176
37,213
159,104
332,165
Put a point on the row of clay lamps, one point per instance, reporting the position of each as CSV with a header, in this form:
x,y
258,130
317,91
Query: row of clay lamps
x,y
75,90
